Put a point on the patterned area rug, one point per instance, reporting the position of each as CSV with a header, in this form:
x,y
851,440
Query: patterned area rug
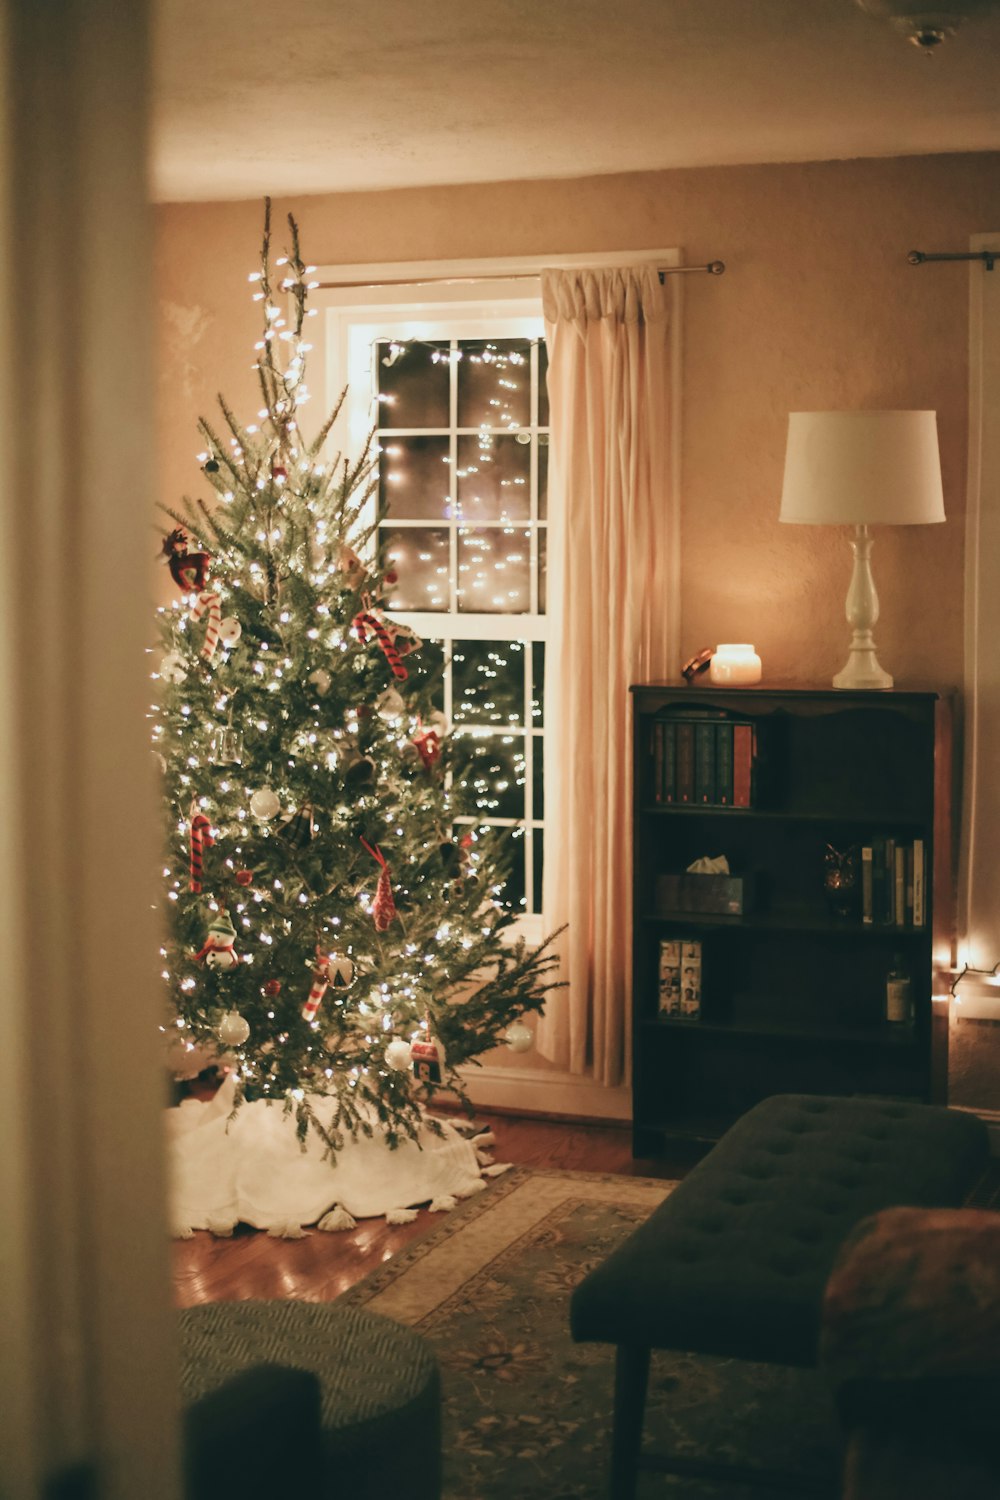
x,y
527,1411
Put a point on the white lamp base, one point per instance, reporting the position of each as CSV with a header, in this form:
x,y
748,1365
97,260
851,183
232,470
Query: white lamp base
x,y
861,669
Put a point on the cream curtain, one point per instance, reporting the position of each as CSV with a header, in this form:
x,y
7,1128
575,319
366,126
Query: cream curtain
x,y
613,607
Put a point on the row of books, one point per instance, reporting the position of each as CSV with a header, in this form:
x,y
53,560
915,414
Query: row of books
x,y
702,762
894,882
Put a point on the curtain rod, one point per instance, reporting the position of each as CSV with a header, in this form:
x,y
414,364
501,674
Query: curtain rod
x,y
988,257
713,268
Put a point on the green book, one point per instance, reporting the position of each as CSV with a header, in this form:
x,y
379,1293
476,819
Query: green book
x,y
724,765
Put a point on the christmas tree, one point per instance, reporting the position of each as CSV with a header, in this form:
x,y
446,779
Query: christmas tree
x,y
334,923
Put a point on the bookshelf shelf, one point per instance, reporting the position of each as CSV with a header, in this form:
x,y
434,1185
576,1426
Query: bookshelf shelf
x,y
874,819
867,1036
790,923
788,996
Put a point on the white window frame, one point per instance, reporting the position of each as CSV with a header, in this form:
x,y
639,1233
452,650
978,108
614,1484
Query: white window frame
x,y
351,321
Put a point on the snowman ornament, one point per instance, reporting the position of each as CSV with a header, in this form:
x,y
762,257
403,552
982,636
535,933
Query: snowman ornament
x,y
218,950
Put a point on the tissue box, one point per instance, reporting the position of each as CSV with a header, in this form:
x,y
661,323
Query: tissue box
x,y
716,895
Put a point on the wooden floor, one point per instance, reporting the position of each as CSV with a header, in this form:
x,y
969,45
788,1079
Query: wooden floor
x,y
321,1266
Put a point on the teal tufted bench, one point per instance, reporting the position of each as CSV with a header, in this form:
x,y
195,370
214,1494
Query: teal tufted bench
x,y
379,1386
735,1261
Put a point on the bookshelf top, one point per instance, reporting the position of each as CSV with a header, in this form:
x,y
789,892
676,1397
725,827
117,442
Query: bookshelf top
x,y
704,693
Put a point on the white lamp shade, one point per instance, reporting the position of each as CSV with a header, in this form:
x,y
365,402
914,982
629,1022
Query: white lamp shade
x,y
862,468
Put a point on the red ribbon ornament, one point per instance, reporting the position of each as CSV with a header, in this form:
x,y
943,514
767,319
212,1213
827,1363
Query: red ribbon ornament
x,y
383,907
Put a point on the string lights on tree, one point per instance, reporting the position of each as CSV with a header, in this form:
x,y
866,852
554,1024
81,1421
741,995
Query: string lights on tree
x,y
334,927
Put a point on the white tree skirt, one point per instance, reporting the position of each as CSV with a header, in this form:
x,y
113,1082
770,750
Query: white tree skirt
x,y
252,1169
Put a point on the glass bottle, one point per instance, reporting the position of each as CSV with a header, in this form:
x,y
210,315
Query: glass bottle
x,y
898,993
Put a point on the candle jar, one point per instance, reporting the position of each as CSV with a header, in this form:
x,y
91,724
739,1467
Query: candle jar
x,y
734,666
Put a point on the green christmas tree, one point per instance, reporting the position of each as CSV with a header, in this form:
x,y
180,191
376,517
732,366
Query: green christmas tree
x,y
334,926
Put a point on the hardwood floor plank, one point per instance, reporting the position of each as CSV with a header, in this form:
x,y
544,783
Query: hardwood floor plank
x,y
322,1266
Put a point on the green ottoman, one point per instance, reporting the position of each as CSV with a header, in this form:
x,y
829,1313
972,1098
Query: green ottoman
x,y
380,1385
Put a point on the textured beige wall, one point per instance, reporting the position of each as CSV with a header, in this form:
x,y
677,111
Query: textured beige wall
x,y
818,309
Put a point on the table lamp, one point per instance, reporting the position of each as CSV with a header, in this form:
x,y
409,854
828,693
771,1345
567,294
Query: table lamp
x,y
862,469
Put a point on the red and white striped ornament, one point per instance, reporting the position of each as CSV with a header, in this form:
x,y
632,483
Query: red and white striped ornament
x,y
208,602
320,985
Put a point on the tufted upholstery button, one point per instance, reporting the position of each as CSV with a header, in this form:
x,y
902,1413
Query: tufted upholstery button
x,y
713,1225
808,1234
787,1263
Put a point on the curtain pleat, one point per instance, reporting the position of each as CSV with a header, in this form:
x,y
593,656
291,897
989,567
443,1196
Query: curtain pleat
x,y
613,611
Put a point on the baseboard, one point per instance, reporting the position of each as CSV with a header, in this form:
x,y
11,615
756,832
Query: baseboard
x,y
546,1093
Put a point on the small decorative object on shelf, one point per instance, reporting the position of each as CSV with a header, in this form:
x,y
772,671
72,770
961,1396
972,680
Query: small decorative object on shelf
x,y
898,993
734,666
840,880
680,978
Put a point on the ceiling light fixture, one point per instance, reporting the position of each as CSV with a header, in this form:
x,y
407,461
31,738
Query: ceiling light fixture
x,y
925,25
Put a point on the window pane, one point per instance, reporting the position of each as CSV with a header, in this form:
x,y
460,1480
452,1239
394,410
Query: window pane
x,y
543,546
412,389
488,682
538,779
538,683
419,556
543,387
543,475
494,383
493,770
512,845
414,478
494,570
494,478
427,666
538,863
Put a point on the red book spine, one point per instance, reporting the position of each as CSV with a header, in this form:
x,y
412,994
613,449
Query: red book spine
x,y
742,765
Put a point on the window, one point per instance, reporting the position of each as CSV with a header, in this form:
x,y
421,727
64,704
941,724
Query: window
x,y
456,389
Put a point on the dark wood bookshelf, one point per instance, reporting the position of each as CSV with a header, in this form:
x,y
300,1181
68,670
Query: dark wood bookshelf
x,y
792,991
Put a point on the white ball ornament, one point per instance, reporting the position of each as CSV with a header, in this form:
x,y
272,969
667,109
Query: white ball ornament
x,y
320,680
519,1038
390,705
233,1028
398,1055
264,804
340,971
173,667
230,631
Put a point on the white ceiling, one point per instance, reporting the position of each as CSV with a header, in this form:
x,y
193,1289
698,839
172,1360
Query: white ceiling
x,y
313,96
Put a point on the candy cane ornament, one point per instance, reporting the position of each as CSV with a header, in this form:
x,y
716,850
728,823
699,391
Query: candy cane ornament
x,y
383,907
201,838
207,601
366,621
320,985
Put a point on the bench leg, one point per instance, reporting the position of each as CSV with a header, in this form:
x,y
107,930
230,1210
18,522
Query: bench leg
x,y
631,1376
